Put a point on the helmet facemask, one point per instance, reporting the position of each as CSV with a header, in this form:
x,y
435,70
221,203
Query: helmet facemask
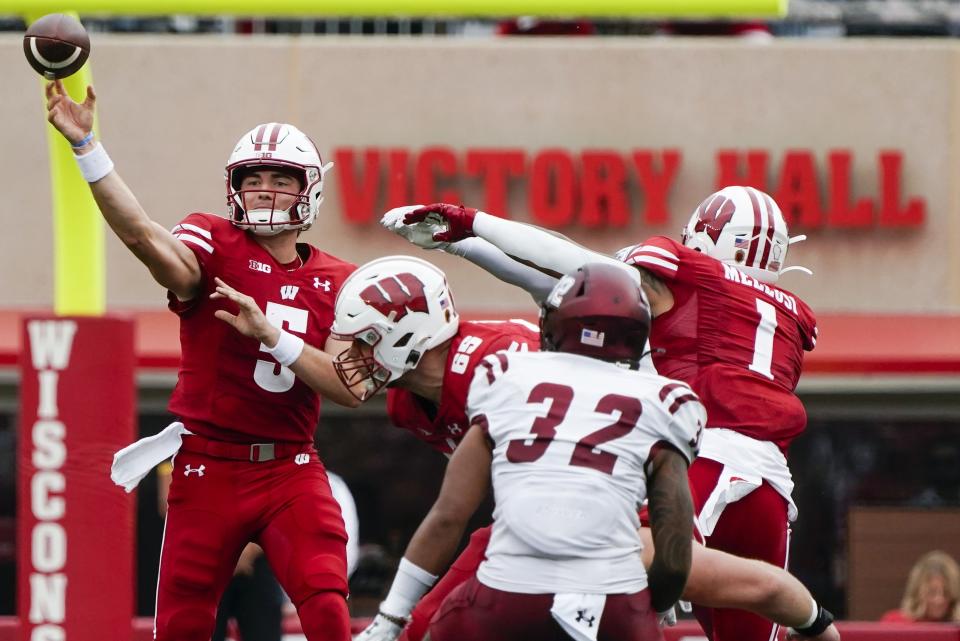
x,y
400,307
355,365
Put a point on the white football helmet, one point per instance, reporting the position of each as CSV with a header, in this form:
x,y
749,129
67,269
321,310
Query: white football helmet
x,y
742,227
280,145
398,305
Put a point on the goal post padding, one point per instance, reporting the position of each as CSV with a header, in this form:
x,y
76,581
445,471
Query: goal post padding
x,y
75,528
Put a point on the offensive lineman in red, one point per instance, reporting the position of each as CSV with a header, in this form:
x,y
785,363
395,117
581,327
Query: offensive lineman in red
x,y
721,325
246,469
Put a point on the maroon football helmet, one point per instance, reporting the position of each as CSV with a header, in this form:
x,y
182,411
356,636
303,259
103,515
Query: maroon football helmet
x,y
599,311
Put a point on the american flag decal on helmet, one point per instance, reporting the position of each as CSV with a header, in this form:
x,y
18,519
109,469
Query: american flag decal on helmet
x,y
591,337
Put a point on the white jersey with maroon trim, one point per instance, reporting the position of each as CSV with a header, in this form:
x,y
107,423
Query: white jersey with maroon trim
x,y
571,436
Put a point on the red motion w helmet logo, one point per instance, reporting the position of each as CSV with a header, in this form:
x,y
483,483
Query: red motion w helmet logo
x,y
397,294
712,214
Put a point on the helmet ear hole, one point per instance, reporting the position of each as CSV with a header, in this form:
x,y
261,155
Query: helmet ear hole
x,y
740,256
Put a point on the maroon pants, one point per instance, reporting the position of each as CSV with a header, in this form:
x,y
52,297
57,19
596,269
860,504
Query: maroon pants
x,y
216,506
474,612
465,567
754,527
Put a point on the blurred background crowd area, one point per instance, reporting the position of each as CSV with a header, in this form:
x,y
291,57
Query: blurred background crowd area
x,y
806,18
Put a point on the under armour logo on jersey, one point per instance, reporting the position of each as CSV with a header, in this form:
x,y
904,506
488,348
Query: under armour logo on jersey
x,y
582,616
301,459
395,295
455,429
199,470
288,292
325,284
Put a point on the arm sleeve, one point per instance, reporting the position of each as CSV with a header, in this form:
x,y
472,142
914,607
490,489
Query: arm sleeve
x,y
487,256
481,396
687,419
539,247
197,232
658,255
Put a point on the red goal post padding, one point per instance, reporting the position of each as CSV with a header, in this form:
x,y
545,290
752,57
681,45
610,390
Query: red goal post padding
x,y
74,526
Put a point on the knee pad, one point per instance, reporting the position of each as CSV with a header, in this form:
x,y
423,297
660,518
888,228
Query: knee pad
x,y
319,573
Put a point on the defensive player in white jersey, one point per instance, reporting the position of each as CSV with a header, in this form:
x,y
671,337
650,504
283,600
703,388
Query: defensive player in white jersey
x,y
574,437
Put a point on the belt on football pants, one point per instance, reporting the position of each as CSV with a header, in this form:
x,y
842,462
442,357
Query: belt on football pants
x,y
253,452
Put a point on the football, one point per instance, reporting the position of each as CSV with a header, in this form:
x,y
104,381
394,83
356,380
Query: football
x,y
56,45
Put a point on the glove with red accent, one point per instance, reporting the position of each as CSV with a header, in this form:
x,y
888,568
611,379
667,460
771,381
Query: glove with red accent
x,y
457,219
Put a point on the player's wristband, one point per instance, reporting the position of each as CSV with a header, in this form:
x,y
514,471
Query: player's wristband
x,y
288,348
820,621
95,164
411,583
83,142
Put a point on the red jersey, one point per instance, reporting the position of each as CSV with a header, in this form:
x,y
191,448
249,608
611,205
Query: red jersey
x,y
737,342
442,427
228,387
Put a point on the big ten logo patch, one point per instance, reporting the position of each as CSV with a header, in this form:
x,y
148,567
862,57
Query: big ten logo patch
x,y
257,266
461,360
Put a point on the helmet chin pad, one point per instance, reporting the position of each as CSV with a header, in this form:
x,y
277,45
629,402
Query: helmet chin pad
x,y
268,222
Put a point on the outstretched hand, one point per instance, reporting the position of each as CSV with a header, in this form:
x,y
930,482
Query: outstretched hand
x,y
420,234
72,119
457,219
249,320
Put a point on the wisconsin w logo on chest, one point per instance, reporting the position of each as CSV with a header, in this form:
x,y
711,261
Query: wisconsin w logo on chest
x,y
398,295
289,292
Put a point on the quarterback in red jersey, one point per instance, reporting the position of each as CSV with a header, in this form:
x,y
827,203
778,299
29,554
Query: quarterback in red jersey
x,y
245,467
722,326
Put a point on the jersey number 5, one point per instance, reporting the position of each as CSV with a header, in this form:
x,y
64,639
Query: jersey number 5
x,y
587,452
270,375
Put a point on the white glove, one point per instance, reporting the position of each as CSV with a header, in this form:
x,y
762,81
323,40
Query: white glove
x,y
380,629
420,234
667,618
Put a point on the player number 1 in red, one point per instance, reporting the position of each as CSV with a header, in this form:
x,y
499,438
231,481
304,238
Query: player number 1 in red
x,y
763,341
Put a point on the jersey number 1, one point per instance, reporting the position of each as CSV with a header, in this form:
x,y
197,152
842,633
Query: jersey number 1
x,y
763,341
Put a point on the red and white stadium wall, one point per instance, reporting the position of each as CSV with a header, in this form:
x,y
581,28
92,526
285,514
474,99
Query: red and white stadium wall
x,y
595,137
